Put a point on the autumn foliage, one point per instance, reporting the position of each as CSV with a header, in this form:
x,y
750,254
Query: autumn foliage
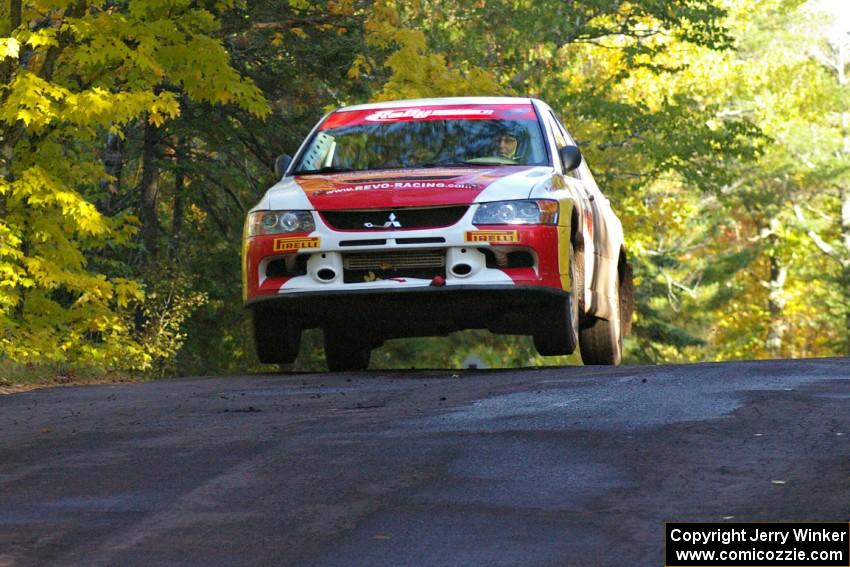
x,y
135,135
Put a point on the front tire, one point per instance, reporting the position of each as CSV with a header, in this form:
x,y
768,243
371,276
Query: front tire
x,y
277,337
601,341
559,335
345,354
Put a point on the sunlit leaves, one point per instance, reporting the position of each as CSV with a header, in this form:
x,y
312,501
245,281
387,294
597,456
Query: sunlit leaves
x,y
42,38
9,47
89,71
415,71
703,120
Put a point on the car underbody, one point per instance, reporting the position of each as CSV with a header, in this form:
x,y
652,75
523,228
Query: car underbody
x,y
378,315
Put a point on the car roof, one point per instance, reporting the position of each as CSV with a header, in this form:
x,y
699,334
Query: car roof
x,y
493,100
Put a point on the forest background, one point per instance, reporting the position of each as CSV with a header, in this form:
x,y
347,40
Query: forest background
x,y
135,135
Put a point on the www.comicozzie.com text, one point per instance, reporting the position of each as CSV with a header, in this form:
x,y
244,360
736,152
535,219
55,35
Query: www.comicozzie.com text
x,y
740,535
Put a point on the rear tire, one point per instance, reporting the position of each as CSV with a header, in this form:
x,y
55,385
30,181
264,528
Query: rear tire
x,y
277,337
601,341
345,354
559,334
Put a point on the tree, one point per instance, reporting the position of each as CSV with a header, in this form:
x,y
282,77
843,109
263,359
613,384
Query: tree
x,y
833,54
787,301
74,73
613,71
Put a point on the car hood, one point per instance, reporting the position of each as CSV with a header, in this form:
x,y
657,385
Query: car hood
x,y
405,188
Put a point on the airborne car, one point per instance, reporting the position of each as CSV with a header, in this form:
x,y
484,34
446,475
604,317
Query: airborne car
x,y
423,217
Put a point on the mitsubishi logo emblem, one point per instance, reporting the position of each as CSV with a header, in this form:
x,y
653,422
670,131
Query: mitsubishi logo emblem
x,y
392,222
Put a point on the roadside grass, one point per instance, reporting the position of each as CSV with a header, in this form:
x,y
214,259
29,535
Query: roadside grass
x,y
16,377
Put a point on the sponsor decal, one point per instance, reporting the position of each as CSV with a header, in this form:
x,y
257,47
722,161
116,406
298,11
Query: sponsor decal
x,y
497,236
423,113
402,188
399,185
293,244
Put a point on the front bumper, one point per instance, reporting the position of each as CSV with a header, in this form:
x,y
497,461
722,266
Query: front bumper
x,y
321,262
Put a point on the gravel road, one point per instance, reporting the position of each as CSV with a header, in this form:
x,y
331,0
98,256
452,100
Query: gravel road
x,y
529,467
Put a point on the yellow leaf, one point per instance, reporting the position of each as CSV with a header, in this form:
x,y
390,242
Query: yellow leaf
x,y
9,47
156,119
46,36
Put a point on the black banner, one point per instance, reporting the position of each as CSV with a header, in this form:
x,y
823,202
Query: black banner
x,y
811,544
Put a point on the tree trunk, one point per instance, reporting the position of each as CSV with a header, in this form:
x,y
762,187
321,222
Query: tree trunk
x,y
844,281
6,153
113,163
842,60
8,64
9,138
179,198
15,13
7,150
776,306
150,190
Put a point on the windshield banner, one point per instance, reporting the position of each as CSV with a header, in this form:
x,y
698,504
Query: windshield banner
x,y
442,112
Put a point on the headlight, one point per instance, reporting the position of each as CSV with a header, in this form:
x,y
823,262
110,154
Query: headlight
x,y
540,211
276,222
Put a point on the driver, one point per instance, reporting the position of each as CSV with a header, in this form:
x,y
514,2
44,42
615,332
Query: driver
x,y
508,144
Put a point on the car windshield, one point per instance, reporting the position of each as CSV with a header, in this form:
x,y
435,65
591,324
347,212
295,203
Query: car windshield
x,y
435,136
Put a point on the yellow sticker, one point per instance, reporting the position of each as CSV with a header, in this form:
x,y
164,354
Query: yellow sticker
x,y
492,236
293,244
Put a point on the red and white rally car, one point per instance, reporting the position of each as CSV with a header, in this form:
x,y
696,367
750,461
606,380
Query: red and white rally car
x,y
423,217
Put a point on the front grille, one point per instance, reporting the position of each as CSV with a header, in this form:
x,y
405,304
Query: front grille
x,y
372,266
380,219
395,260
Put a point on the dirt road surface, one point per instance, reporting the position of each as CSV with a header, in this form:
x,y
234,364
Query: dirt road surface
x,y
533,467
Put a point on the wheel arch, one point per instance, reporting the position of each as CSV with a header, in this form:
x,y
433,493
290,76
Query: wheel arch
x,y
625,273
576,235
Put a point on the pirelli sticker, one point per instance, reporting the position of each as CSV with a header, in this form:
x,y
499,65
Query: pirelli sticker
x,y
493,236
295,244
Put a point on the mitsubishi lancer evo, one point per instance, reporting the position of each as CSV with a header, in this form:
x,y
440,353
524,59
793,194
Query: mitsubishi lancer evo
x,y
423,217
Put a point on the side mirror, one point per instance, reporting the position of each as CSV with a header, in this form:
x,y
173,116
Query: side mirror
x,y
281,164
570,157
